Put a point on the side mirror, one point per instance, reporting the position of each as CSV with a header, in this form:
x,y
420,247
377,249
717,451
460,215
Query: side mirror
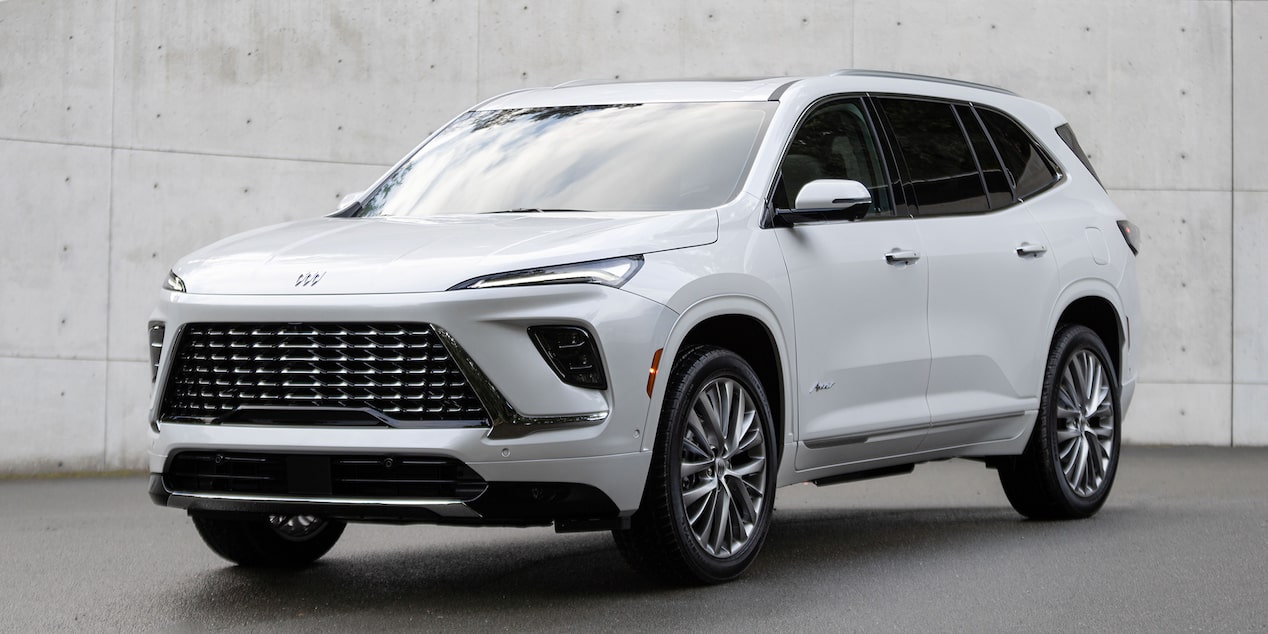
x,y
828,199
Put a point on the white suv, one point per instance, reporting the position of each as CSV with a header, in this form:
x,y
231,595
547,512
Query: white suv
x,y
641,307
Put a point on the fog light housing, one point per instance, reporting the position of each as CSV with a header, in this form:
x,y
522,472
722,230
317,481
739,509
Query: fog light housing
x,y
571,353
157,330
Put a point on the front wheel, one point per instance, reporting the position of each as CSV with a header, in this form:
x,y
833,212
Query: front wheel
x,y
269,541
710,493
1070,461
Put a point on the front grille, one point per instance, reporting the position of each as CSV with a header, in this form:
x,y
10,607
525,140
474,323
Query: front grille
x,y
355,476
319,372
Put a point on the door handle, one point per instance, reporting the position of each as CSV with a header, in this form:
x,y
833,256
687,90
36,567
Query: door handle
x,y
1027,248
901,257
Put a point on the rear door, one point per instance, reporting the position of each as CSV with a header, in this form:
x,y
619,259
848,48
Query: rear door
x,y
859,311
991,279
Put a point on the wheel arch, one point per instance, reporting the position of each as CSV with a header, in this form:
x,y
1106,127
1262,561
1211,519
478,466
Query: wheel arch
x,y
746,327
1098,312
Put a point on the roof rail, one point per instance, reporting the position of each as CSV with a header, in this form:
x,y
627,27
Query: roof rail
x,y
862,72
586,82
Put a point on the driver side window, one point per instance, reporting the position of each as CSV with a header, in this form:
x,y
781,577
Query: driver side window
x,y
835,141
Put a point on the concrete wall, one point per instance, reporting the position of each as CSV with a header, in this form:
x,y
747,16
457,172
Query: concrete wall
x,y
133,132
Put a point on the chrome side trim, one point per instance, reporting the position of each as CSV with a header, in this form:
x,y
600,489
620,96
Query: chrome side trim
x,y
506,422
440,506
976,419
853,439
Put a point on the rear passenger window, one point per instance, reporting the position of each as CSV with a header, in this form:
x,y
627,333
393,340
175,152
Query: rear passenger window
x,y
940,165
1027,167
998,190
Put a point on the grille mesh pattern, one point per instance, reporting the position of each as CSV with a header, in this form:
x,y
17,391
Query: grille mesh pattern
x,y
401,371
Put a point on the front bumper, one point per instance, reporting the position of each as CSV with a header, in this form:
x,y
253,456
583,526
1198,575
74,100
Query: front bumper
x,y
545,435
569,505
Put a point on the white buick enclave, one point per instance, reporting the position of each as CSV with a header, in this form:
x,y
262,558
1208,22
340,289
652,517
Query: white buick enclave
x,y
642,307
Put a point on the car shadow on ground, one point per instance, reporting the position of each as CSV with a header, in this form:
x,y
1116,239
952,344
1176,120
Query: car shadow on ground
x,y
575,571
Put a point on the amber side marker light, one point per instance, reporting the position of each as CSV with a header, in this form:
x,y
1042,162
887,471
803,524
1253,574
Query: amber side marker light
x,y
651,372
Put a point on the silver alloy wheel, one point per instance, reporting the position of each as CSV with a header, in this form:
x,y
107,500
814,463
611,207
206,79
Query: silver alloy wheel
x,y
1085,423
723,467
296,527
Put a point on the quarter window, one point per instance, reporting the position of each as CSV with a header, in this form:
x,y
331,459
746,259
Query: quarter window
x,y
940,164
1027,167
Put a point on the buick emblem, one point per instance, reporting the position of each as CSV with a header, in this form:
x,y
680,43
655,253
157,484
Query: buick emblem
x,y
309,279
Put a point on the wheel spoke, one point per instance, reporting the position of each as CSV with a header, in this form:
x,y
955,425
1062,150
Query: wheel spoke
x,y
744,502
713,415
756,466
721,520
1066,434
692,440
690,496
690,468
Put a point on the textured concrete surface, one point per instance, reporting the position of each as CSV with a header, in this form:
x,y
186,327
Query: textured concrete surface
x,y
1179,547
131,133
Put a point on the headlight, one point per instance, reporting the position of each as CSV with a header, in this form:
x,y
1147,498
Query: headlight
x,y
174,282
611,272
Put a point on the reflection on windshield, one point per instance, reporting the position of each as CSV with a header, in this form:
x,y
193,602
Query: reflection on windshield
x,y
627,157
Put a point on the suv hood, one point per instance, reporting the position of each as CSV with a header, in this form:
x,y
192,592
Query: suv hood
x,y
410,255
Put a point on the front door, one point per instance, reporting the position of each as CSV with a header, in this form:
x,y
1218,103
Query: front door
x,y
860,302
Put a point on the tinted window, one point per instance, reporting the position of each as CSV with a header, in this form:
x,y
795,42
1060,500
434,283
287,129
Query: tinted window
x,y
835,141
1025,163
625,157
997,189
940,165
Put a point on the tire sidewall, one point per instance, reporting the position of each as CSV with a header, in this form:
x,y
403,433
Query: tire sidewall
x,y
715,364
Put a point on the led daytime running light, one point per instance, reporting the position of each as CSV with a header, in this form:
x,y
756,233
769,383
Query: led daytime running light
x,y
613,272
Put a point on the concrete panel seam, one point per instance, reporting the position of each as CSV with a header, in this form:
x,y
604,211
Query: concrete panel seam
x,y
261,157
1184,382
1232,228
1198,190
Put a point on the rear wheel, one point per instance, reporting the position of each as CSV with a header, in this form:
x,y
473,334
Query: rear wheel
x,y
271,541
1070,461
710,492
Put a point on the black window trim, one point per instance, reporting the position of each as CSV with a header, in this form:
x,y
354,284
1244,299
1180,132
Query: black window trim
x,y
977,163
1044,153
999,158
901,209
914,209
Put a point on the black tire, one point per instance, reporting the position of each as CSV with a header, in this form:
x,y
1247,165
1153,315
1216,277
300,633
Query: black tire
x,y
663,541
269,541
1069,464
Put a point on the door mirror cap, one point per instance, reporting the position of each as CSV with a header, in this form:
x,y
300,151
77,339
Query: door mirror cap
x,y
827,199
827,193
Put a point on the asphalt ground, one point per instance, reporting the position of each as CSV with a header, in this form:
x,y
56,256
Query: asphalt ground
x,y
1182,545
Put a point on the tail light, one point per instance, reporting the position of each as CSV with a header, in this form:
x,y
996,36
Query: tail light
x,y
1131,234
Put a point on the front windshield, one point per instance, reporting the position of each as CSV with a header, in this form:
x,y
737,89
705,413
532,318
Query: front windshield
x,y
626,157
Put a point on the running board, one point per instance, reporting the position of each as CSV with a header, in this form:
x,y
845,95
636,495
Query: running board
x,y
865,475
